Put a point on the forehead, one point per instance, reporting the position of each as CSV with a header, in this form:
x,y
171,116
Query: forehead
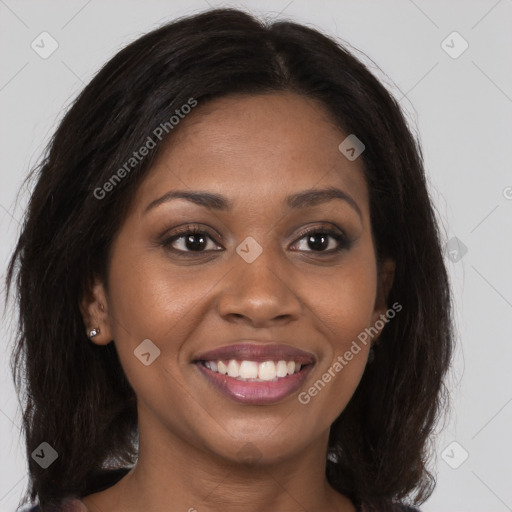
x,y
255,148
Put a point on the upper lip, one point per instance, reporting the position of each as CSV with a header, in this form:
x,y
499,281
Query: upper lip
x,y
252,351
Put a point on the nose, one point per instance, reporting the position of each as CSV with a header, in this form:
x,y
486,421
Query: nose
x,y
258,293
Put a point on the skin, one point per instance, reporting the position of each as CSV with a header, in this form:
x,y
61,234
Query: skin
x,y
255,150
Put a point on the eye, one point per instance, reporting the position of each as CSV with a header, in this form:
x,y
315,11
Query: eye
x,y
324,240
189,239
192,239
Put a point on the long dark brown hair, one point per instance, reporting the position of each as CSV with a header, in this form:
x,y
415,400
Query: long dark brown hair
x,y
378,446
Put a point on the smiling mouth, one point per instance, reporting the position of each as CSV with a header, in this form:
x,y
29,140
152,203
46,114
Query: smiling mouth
x,y
254,371
255,383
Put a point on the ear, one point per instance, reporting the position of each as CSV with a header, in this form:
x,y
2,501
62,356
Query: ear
x,y
385,278
94,308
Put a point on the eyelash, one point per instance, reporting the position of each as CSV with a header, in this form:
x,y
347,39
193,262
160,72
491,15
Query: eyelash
x,y
343,242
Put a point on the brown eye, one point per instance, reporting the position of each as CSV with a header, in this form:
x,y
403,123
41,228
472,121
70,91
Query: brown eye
x,y
323,240
189,239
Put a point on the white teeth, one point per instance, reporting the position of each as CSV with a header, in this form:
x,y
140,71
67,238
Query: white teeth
x,y
248,370
222,368
282,369
254,371
233,368
267,370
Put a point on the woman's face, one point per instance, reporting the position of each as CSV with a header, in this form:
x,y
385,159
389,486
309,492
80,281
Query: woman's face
x,y
252,276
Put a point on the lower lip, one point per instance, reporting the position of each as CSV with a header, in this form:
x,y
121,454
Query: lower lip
x,y
256,393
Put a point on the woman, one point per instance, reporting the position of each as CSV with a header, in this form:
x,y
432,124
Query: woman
x,y
231,288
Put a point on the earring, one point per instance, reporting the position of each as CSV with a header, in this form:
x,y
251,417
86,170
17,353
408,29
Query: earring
x,y
94,332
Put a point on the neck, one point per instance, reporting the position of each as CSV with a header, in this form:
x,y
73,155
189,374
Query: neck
x,y
172,471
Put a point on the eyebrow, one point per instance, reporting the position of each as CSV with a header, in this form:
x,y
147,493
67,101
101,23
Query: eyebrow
x,y
305,199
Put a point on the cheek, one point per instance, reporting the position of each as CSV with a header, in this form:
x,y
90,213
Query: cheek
x,y
344,302
151,298
145,303
343,310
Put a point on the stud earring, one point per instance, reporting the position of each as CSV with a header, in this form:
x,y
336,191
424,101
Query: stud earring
x,y
94,332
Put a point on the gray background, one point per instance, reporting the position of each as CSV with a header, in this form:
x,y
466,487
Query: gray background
x,y
460,107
